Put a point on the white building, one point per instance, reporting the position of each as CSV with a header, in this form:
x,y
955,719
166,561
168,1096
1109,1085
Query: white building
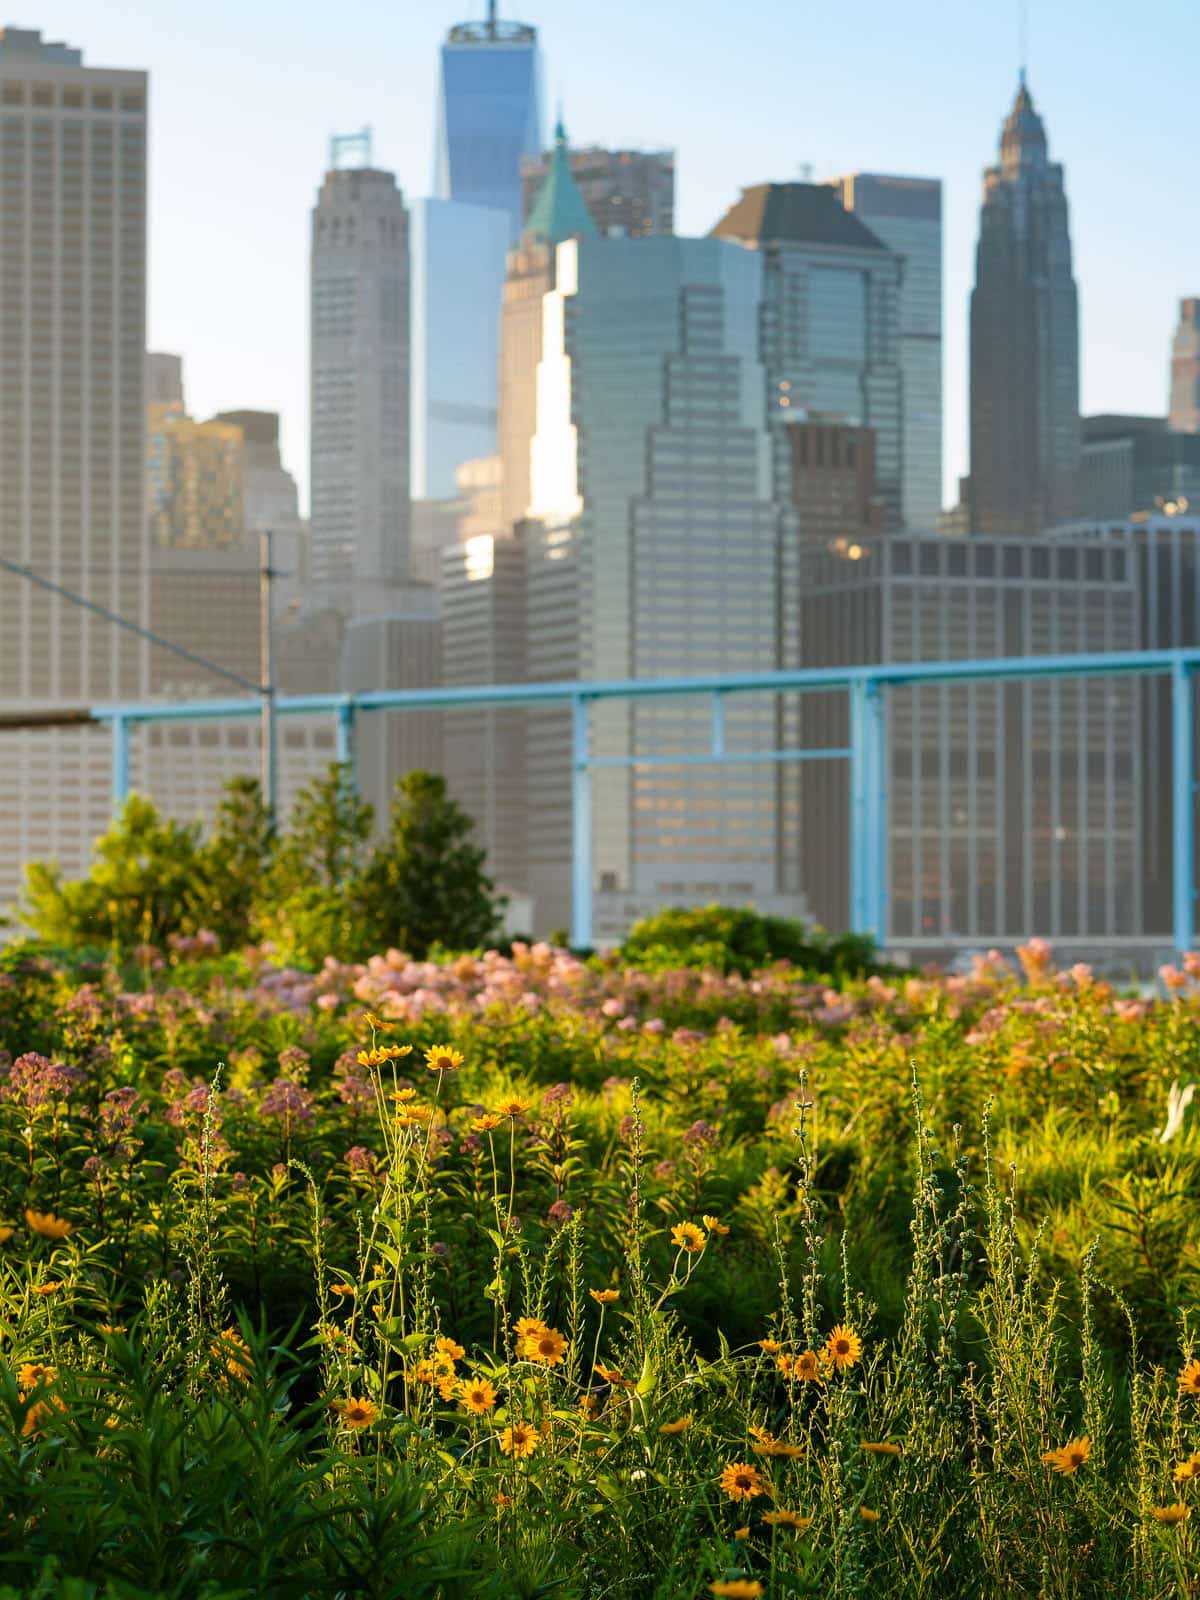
x,y
72,428
360,388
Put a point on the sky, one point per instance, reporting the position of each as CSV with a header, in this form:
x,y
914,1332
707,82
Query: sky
x,y
244,95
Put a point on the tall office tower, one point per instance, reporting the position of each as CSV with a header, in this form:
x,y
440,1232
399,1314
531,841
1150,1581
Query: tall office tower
x,y
193,480
1024,340
906,213
458,256
359,440
1013,809
1185,370
489,114
1137,466
831,324
629,193
72,427
833,483
653,540
558,212
164,379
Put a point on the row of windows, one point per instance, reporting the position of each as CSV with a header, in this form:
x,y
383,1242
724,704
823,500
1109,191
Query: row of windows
x,y
70,97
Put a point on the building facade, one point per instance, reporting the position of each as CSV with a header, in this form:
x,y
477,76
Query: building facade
x,y
833,483
1024,332
484,640
489,114
193,480
72,428
653,537
906,213
1137,466
831,322
1185,370
458,255
629,193
360,375
1014,809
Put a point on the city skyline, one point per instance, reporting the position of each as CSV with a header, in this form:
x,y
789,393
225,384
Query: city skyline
x,y
927,102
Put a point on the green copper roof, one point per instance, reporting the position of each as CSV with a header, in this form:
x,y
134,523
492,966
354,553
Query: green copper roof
x,y
559,212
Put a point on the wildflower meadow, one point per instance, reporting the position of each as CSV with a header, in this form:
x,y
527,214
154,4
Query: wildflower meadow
x,y
524,1274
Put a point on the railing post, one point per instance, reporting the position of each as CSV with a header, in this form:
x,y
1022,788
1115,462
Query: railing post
x,y
581,826
120,761
1183,834
347,753
868,809
718,723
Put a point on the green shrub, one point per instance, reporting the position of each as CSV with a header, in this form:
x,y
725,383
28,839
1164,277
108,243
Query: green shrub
x,y
732,939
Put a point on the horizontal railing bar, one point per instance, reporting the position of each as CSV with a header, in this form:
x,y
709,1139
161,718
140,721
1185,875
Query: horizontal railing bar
x,y
801,680
716,758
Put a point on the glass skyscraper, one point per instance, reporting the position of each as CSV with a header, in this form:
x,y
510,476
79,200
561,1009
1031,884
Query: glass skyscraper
x,y
653,541
489,114
906,213
831,324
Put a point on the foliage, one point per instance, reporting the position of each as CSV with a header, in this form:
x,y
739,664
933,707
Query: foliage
x,y
141,886
734,939
425,884
382,1156
313,889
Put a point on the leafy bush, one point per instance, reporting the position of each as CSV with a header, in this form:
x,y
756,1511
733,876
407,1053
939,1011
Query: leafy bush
x,y
311,891
732,939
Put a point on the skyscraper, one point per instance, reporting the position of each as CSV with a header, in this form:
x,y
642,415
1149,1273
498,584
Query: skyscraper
x,y
1185,370
72,425
653,541
629,193
831,327
360,383
1025,437
194,480
458,256
558,212
489,114
906,213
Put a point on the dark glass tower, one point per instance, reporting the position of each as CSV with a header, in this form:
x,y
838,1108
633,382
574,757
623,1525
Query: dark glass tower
x,y
489,114
1025,436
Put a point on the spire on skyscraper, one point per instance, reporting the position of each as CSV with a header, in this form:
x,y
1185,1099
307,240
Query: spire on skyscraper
x,y
559,212
1025,431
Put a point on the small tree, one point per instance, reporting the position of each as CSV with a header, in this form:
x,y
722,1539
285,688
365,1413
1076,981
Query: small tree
x,y
234,861
308,900
425,884
140,887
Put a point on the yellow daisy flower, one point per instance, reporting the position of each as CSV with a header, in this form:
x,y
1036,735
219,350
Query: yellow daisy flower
x,y
1068,1458
688,1237
520,1440
843,1347
443,1058
49,1226
680,1425
356,1413
741,1481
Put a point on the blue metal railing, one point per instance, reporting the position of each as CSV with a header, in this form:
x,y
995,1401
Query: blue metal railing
x,y
866,686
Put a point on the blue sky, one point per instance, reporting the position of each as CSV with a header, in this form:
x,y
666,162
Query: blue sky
x,y
244,96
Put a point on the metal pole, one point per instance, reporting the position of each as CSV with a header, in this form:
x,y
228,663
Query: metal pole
x,y
581,827
270,765
346,753
868,812
1183,783
120,761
